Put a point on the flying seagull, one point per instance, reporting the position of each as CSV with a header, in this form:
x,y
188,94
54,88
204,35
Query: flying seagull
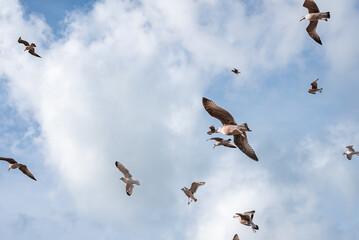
x,y
313,16
230,127
235,71
30,48
314,88
247,219
127,179
221,141
13,165
236,237
189,192
350,152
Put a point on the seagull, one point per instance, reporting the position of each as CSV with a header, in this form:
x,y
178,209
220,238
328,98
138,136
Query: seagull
x,y
127,179
189,192
314,88
221,141
13,165
247,219
350,152
236,237
235,70
230,127
30,48
313,16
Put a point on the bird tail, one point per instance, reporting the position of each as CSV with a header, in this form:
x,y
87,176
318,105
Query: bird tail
x,y
136,182
327,14
213,130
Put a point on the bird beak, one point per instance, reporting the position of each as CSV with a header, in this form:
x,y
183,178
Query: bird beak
x,y
302,18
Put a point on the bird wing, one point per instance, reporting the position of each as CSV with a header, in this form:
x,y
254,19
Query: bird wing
x,y
222,115
26,171
315,84
311,5
250,214
311,29
32,52
23,42
350,147
242,143
195,185
129,189
9,160
349,156
229,145
216,138
236,237
123,170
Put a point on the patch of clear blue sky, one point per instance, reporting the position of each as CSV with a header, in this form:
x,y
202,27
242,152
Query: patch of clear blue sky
x,y
55,11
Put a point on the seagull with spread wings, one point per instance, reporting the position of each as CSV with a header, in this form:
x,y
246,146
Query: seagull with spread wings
x,y
29,47
223,142
235,71
313,16
350,152
230,127
13,165
315,88
127,179
189,192
247,219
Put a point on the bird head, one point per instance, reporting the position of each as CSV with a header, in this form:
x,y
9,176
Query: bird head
x,y
302,18
122,178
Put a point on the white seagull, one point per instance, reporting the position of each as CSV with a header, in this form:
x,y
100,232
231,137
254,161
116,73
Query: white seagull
x,y
189,192
313,16
350,152
30,48
13,165
127,179
221,141
230,127
247,219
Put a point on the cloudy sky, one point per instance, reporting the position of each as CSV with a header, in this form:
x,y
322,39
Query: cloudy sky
x,y
123,80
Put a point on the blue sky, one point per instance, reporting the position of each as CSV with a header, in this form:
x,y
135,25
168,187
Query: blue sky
x,y
123,81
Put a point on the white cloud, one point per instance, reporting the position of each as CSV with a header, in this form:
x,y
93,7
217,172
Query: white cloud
x,y
125,82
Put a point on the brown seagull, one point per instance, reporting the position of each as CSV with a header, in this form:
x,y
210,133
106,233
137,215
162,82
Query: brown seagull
x,y
127,179
247,219
314,88
190,192
30,48
230,127
13,165
221,141
313,16
235,71
236,237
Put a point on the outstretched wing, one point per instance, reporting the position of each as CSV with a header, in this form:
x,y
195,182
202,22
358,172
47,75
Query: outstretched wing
x,y
311,6
250,214
195,185
222,115
242,143
123,170
129,189
23,42
32,52
311,29
216,138
26,171
315,84
9,160
350,147
236,237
